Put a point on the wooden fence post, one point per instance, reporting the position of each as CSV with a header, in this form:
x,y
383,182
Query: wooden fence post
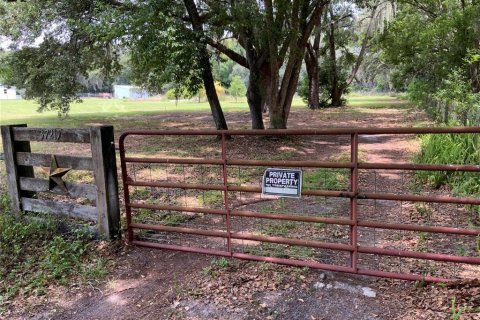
x,y
14,172
105,174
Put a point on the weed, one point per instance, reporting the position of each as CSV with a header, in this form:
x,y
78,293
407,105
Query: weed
x,y
319,225
275,206
5,204
301,252
279,278
270,249
80,176
420,284
265,266
422,241
325,179
177,286
143,214
280,229
173,219
216,264
153,148
211,197
346,157
286,155
415,186
266,208
243,177
456,311
140,193
282,251
423,236
61,256
246,174
397,237
300,272
208,271
177,170
461,251
281,204
222,263
423,210
95,270
471,223
34,255
442,285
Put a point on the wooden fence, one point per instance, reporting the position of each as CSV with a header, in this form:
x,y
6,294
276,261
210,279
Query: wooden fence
x,y
24,186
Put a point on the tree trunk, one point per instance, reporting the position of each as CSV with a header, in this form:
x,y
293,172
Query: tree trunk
x,y
336,97
254,91
335,90
313,89
282,100
278,120
311,62
208,81
284,93
363,49
266,86
267,89
215,107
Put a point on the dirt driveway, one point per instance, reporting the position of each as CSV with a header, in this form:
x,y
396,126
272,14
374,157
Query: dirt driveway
x,y
156,284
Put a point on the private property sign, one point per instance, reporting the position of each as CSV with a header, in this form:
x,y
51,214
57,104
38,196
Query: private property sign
x,y
282,182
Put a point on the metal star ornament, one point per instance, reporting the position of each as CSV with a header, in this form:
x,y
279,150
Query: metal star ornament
x,y
55,175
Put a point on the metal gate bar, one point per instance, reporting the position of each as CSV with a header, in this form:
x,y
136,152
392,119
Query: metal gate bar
x,y
353,222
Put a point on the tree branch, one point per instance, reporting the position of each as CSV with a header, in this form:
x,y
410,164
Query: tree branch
x,y
418,5
314,19
238,58
359,60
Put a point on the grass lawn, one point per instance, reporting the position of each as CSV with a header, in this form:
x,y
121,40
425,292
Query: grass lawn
x,y
108,110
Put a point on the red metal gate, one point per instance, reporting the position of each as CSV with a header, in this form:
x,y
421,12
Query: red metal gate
x,y
395,233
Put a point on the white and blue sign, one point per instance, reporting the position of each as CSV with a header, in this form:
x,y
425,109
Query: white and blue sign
x,y
282,182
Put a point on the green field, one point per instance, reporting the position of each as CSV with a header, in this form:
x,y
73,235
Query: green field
x,y
92,110
108,110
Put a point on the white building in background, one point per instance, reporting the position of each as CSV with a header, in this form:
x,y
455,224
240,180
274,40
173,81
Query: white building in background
x,y
8,92
129,92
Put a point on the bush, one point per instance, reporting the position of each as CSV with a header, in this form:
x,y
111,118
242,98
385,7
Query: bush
x,y
237,87
453,103
465,105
